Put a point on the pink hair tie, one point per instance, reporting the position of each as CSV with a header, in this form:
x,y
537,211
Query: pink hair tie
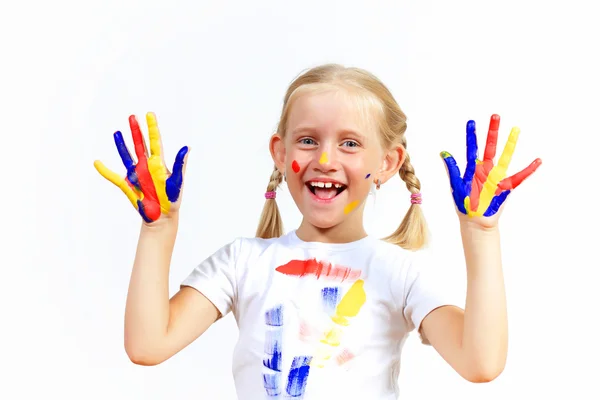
x,y
415,198
270,195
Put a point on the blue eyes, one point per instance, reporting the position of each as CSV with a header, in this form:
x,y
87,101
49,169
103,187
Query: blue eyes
x,y
310,142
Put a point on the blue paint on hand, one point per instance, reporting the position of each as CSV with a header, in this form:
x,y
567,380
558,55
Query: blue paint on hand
x,y
175,181
127,160
496,203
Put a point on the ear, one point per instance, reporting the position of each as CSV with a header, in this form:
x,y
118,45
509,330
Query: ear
x,y
392,162
277,149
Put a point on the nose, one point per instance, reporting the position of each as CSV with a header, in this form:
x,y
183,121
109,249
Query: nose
x,y
327,160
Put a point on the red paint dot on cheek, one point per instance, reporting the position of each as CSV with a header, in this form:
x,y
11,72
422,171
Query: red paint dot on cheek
x,y
295,166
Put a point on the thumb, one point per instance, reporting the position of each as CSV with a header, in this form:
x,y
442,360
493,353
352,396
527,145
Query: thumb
x,y
175,182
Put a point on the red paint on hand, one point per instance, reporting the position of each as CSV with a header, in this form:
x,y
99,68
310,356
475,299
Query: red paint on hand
x,y
150,202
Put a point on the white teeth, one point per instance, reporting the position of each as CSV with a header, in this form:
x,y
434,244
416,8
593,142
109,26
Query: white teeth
x,y
327,185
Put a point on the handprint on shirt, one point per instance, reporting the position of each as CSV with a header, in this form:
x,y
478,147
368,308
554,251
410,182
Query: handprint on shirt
x,y
484,187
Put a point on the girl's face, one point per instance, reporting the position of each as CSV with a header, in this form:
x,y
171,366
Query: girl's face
x,y
331,155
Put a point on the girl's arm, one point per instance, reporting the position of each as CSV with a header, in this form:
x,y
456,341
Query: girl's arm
x,y
475,341
156,328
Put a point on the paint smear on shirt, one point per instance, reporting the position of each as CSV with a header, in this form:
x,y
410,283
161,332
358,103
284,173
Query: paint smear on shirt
x,y
298,376
348,307
318,269
330,297
273,347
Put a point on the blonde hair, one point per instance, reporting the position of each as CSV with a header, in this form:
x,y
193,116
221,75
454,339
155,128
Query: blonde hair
x,y
391,123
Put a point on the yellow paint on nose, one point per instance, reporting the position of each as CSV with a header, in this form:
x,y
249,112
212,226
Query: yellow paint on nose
x,y
324,158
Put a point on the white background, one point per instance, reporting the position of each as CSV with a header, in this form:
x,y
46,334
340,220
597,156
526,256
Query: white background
x,y
215,74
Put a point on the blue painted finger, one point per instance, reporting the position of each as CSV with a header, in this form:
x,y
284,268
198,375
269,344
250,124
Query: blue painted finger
x,y
459,190
123,151
496,203
127,159
471,153
174,182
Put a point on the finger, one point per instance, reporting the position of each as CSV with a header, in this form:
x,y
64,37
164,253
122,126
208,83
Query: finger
x,y
123,150
458,188
512,182
175,181
138,140
492,139
127,159
496,203
158,172
509,150
118,180
149,209
154,135
471,153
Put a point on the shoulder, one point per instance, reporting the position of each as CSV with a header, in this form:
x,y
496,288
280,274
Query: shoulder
x,y
393,257
243,247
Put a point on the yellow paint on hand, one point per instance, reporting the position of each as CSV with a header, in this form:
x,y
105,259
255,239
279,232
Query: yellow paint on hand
x,y
324,158
156,167
351,206
117,180
497,173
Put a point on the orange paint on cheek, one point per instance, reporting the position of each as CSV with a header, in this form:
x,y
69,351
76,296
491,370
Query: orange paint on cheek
x,y
295,166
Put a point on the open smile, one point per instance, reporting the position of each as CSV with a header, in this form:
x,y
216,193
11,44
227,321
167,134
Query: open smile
x,y
325,190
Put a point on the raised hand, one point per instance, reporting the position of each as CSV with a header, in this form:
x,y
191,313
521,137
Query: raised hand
x,y
150,187
484,187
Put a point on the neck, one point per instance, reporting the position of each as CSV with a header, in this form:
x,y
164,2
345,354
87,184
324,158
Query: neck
x,y
345,232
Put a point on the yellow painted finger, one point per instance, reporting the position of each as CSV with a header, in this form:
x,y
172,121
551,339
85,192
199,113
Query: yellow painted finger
x,y
498,172
508,151
158,172
153,134
118,180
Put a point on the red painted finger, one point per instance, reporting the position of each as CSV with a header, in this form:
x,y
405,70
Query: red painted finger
x,y
512,182
492,138
138,139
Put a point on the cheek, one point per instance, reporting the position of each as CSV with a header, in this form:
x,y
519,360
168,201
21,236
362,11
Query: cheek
x,y
297,161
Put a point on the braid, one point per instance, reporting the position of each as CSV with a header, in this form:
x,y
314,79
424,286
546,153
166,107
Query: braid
x,y
412,232
407,174
275,180
270,224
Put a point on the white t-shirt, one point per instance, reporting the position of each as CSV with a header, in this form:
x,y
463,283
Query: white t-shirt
x,y
317,320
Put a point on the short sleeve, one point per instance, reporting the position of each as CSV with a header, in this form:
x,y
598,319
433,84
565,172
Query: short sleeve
x,y
215,277
424,292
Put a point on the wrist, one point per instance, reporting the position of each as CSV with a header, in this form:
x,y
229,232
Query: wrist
x,y
474,228
164,223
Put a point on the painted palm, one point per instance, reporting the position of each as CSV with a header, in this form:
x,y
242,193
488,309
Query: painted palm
x,y
150,187
484,186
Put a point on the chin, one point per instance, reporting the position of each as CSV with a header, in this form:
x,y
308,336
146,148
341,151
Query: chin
x,y
323,222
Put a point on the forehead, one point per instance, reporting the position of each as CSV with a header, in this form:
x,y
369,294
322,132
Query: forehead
x,y
332,111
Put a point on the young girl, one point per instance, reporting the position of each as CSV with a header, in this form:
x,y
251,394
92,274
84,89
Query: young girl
x,y
325,309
